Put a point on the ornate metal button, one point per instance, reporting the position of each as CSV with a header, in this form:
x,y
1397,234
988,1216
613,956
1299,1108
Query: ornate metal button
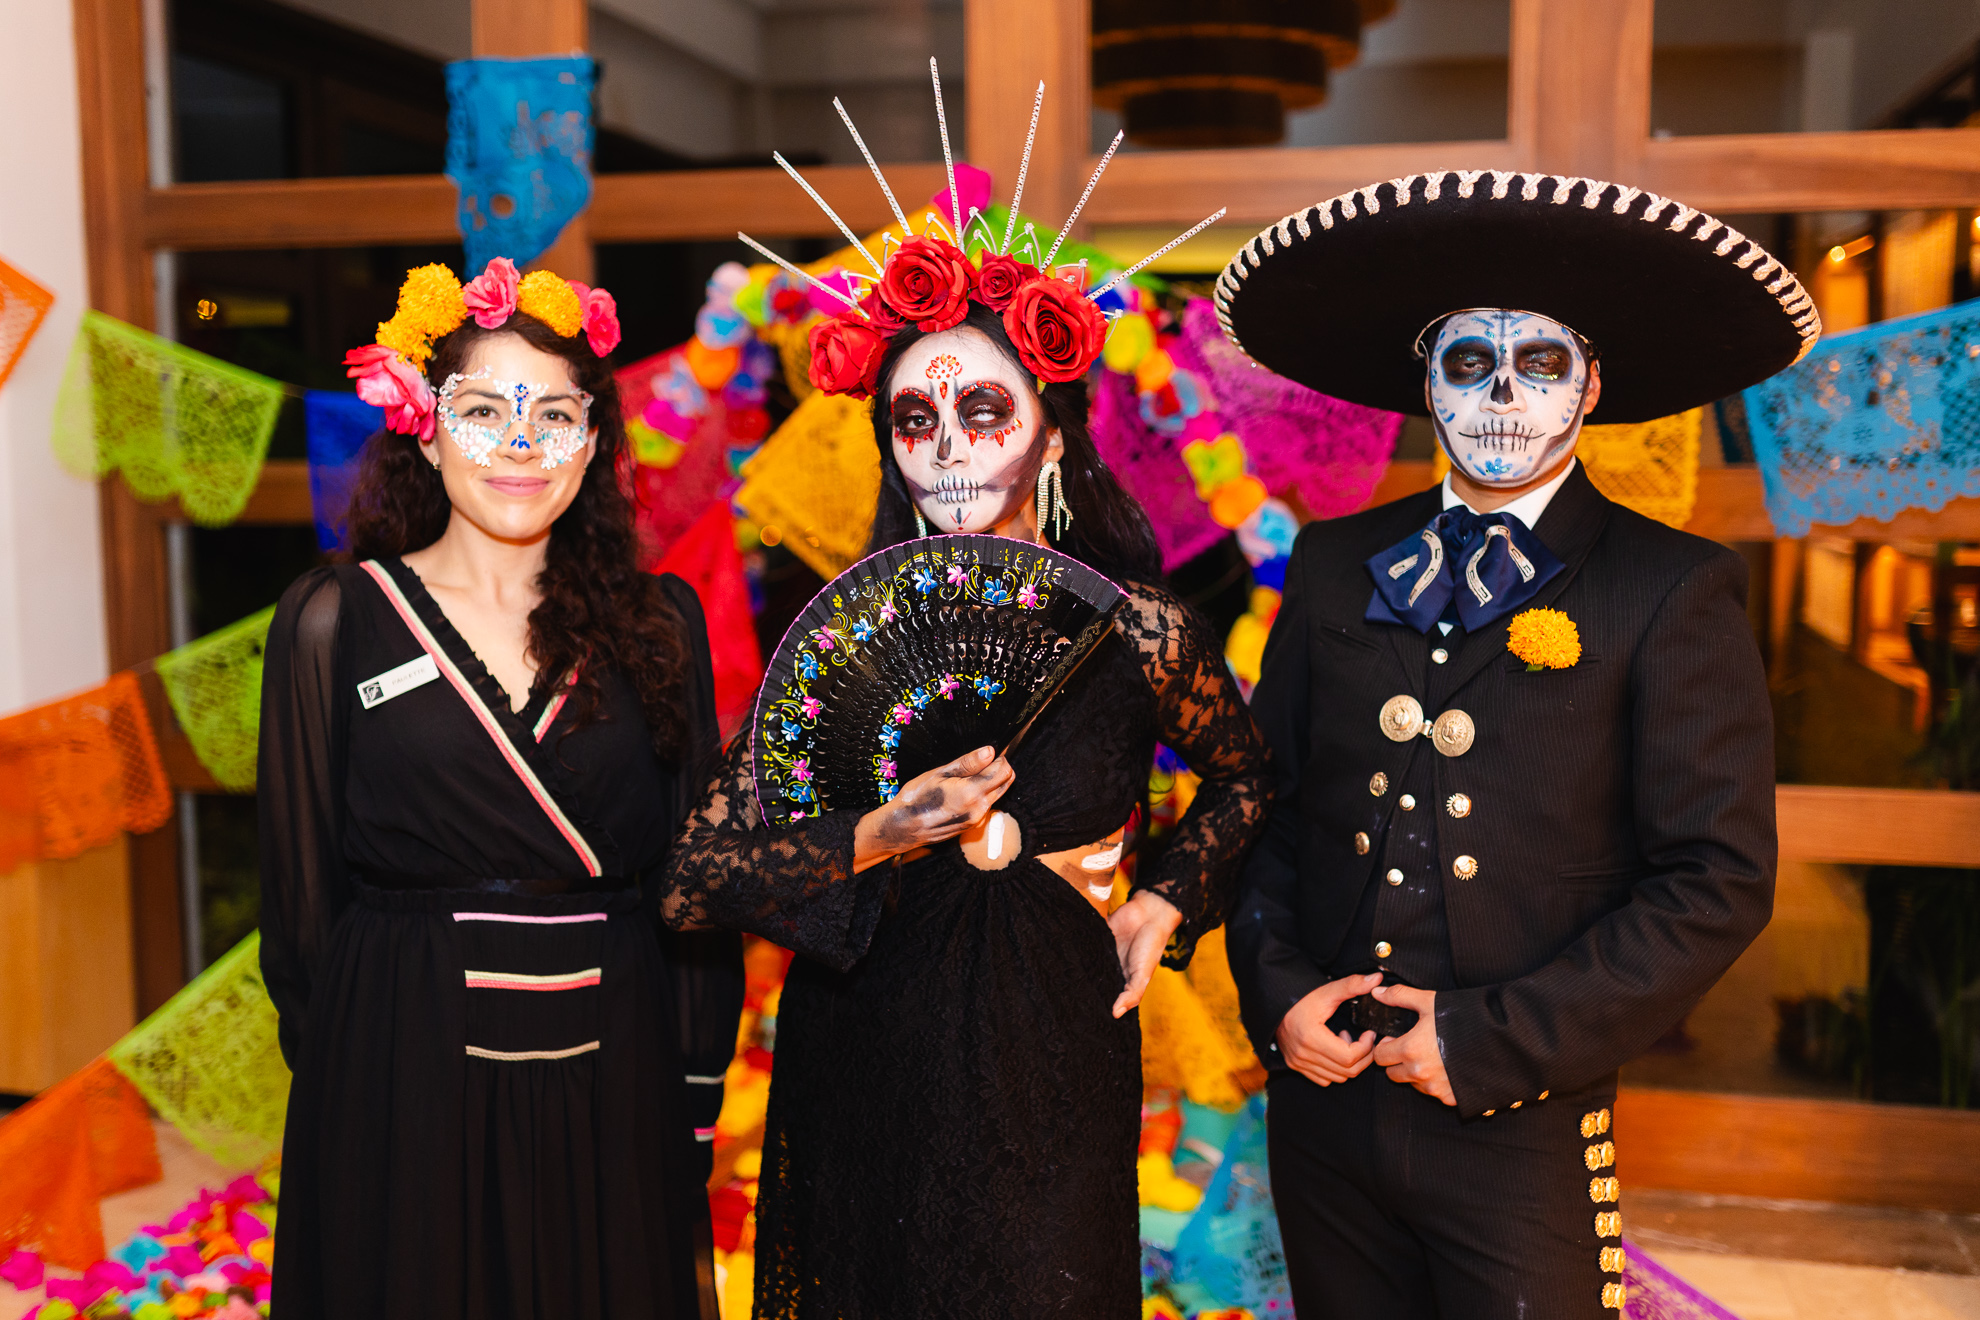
x,y
1490,1112
1595,1124
1402,718
1517,1103
1458,805
1383,949
1378,783
1453,733
1361,842
1615,1296
1394,877
1608,1224
1465,867
1440,655
1407,802
1543,1095
1601,1190
1599,1157
1612,1260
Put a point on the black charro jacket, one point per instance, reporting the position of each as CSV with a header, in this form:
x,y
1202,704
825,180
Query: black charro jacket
x,y
1623,808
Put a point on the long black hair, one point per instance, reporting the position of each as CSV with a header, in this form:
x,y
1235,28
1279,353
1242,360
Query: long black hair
x,y
1110,531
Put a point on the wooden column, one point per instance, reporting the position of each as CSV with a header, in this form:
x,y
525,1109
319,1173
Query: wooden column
x,y
1581,86
115,175
525,28
1012,45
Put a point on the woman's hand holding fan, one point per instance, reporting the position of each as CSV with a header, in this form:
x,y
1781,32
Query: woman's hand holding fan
x,y
936,805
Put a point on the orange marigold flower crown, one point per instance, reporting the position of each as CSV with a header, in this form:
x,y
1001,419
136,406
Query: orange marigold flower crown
x,y
390,372
928,282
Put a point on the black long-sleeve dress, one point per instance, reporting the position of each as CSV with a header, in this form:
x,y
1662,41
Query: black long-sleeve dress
x,y
954,1109
491,1117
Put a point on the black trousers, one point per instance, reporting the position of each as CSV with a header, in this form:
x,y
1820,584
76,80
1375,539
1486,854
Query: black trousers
x,y
1392,1207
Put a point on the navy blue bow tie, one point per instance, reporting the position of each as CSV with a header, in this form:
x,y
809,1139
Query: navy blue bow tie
x,y
1486,566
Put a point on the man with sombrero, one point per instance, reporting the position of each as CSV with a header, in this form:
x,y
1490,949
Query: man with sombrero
x,y
1526,795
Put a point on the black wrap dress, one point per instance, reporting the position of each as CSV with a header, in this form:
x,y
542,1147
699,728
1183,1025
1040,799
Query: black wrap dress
x,y
954,1110
491,1117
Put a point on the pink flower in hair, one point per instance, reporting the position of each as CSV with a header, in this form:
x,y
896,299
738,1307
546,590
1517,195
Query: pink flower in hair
x,y
491,295
601,320
385,381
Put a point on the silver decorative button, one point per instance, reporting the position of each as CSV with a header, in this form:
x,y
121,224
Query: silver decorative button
x,y
1465,867
1459,805
1440,655
1407,802
1383,949
1394,877
1402,718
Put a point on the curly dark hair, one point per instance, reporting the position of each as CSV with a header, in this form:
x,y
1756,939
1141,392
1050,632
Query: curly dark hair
x,y
1110,531
597,604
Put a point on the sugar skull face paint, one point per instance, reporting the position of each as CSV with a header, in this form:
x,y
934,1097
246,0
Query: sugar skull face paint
x,y
483,414
1507,391
949,398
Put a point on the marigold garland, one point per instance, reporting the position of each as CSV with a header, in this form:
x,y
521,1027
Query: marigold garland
x,y
550,299
1545,639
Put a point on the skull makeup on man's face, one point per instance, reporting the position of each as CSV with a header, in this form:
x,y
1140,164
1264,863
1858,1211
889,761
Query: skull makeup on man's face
x,y
1506,393
968,432
483,414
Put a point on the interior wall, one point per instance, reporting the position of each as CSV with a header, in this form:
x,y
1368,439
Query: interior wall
x,y
52,637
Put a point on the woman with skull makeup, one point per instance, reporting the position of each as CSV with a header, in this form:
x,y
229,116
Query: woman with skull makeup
x,y
954,1113
479,733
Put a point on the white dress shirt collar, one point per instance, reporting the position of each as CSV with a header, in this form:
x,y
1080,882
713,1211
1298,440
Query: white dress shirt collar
x,y
1528,507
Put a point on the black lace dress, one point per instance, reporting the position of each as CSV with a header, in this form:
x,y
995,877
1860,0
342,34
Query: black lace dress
x,y
954,1110
492,1116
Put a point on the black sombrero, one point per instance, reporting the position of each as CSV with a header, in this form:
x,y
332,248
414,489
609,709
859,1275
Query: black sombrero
x,y
1682,308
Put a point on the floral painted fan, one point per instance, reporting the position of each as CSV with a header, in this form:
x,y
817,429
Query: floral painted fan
x,y
912,657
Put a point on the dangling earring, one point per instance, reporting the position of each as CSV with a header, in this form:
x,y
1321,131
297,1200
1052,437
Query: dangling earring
x,y
1053,511
920,524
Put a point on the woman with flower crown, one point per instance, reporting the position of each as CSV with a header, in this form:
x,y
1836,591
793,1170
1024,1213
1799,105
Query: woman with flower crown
x,y
954,1113
479,734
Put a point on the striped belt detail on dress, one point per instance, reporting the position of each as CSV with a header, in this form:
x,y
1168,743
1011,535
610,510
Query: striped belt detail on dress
x,y
521,1056
525,981
549,934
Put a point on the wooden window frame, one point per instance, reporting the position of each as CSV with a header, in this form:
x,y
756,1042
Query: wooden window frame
x,y
1590,115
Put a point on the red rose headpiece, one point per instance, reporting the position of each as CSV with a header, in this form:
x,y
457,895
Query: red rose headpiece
x,y
928,282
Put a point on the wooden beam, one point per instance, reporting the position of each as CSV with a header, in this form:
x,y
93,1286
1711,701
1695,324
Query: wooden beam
x,y
714,204
281,213
523,29
1012,46
1900,168
625,208
110,82
1803,1150
1260,185
1878,826
1580,85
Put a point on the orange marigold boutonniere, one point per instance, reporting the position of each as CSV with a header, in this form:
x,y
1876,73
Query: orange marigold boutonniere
x,y
1545,639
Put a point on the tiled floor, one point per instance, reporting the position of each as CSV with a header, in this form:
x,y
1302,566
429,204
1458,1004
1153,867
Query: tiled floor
x,y
1796,1260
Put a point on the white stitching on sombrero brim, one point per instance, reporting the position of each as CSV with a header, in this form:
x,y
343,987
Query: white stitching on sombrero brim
x,y
1732,245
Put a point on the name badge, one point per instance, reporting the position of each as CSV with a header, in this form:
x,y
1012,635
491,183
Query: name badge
x,y
411,674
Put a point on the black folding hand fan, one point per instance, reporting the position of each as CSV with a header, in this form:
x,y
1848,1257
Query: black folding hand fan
x,y
914,656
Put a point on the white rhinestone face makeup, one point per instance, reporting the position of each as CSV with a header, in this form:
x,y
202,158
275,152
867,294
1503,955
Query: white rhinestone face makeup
x,y
483,413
